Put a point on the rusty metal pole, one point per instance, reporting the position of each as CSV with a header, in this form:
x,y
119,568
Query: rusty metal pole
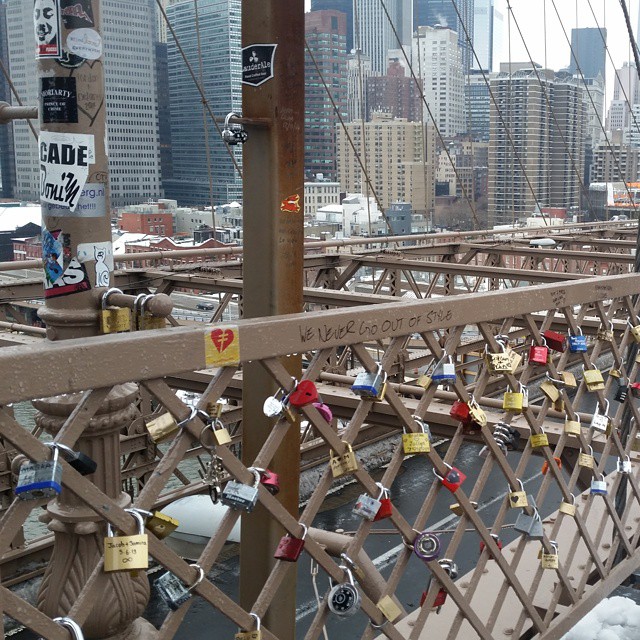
x,y
78,266
273,89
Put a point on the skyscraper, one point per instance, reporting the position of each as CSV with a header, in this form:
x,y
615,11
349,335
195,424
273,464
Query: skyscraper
x,y
325,32
429,13
373,33
7,153
130,87
219,26
346,6
485,19
588,52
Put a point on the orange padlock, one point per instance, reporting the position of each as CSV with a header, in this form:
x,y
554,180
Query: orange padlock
x,y
545,465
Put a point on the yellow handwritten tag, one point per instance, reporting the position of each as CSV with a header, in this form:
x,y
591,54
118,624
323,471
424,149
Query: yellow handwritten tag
x,y
390,610
222,346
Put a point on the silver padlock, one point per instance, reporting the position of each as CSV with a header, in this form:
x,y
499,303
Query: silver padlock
x,y
624,466
173,591
599,487
241,496
273,407
344,598
233,133
40,479
370,385
530,525
600,421
367,507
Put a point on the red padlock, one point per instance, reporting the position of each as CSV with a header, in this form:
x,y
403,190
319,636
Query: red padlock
x,y
538,354
635,389
453,480
290,548
545,465
324,411
496,540
385,509
438,602
555,340
304,393
270,480
460,411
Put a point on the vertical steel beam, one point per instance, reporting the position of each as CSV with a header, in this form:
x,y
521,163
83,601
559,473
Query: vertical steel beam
x,y
273,168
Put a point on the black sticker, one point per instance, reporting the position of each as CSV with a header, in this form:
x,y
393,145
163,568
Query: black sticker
x,y
257,63
58,100
77,14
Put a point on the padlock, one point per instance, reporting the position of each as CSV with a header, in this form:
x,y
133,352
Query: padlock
x,y
114,319
635,443
251,635
530,525
344,598
545,465
424,381
441,598
518,499
538,354
604,333
634,387
241,496
40,479
568,508
624,466
389,609
568,379
460,411
74,627
572,427
305,393
445,371
370,385
513,401
457,507
558,405
385,509
162,427
555,340
345,463
450,567
550,390
621,392
476,413
599,487
578,343
173,591
269,479
550,560
593,379
324,411
453,479
144,321
586,460
515,358
366,506
77,460
537,440
635,331
600,421
497,362
498,542
277,406
161,524
126,553
290,548
416,442
426,546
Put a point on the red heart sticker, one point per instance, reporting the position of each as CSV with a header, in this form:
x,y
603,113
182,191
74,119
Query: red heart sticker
x,y
304,393
221,338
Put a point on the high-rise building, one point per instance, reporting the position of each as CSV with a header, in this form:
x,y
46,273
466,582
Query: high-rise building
x,y
626,92
438,62
373,31
395,93
346,6
614,161
458,15
325,33
131,98
536,164
399,157
7,153
197,172
588,47
487,34
478,105
358,71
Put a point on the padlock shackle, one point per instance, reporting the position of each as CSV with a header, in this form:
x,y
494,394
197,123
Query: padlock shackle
x,y
305,530
200,577
561,382
383,490
106,294
76,630
346,569
228,117
137,303
144,301
256,475
510,488
139,517
192,415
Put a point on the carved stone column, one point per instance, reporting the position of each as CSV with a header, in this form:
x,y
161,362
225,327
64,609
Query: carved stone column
x,y
79,531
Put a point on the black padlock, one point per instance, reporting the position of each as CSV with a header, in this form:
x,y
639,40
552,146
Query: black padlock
x,y
77,460
621,393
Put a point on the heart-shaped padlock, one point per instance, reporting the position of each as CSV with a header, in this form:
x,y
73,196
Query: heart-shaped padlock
x,y
305,393
324,411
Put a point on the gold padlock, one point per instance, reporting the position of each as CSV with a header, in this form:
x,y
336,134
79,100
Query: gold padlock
x,y
478,415
424,381
345,463
161,524
115,320
162,427
220,432
512,401
549,560
635,443
572,427
605,334
389,609
415,443
126,553
515,359
518,499
615,373
558,405
538,440
586,459
550,390
251,635
593,379
456,507
568,508
147,322
635,331
498,362
568,378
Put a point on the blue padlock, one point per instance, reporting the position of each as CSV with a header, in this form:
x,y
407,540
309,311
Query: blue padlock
x,y
370,385
40,479
599,487
578,343
444,371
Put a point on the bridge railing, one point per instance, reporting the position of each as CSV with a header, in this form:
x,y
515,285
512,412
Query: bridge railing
x,y
597,542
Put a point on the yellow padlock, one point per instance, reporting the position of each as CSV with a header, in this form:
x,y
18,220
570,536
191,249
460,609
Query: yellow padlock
x,y
498,362
251,635
558,405
550,560
568,508
586,459
161,524
512,401
456,507
518,499
572,427
515,359
162,427
115,320
389,609
416,442
568,379
635,331
478,415
538,440
126,553
593,379
345,463
424,381
605,334
550,390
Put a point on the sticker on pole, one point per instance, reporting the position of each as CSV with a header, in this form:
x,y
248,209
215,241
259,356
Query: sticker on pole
x,y
64,166
291,204
46,26
58,99
222,346
257,63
